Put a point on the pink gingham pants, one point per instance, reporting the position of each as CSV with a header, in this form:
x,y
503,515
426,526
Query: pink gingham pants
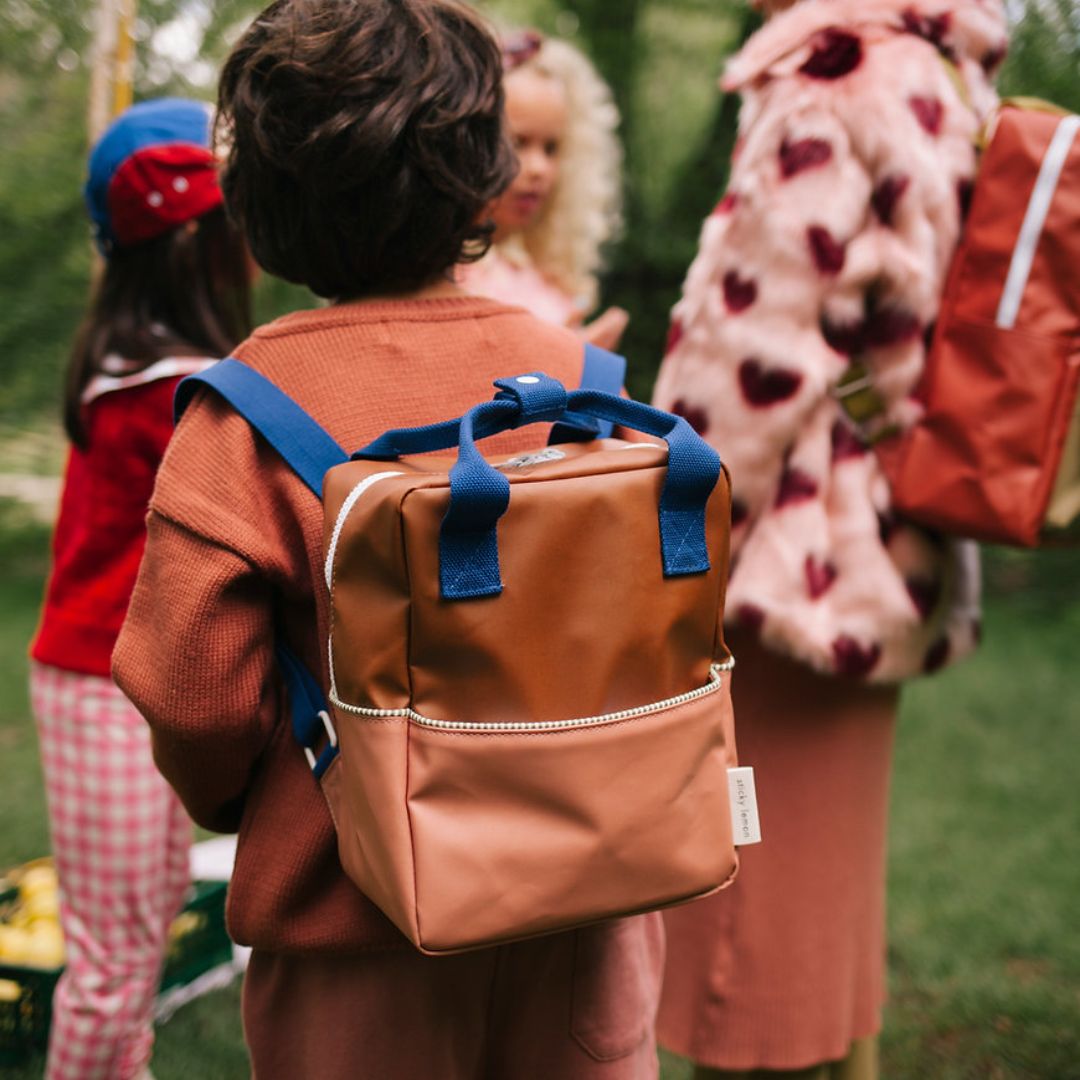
x,y
120,839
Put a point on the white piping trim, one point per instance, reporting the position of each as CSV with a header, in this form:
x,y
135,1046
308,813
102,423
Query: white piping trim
x,y
343,513
168,368
330,658
1034,219
716,672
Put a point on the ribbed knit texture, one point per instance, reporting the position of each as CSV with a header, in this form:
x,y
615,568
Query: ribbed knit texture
x,y
234,554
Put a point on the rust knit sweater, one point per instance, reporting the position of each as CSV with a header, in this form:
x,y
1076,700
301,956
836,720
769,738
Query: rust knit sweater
x,y
234,553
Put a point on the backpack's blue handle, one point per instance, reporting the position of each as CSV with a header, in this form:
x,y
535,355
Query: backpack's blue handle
x,y
602,370
480,494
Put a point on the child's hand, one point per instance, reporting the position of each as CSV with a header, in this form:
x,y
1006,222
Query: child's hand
x,y
606,329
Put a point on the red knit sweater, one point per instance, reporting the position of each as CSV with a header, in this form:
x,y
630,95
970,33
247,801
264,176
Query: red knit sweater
x,y
234,555
101,529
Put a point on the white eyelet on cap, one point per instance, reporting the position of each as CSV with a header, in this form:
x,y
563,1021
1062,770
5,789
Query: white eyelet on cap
x,y
180,184
155,198
527,379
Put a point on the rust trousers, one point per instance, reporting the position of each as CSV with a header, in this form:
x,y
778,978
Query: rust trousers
x,y
573,1006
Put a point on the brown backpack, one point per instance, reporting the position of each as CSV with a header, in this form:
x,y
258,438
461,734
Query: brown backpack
x,y
529,720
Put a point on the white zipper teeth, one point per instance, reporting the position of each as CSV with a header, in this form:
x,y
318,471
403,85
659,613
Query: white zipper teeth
x,y
716,672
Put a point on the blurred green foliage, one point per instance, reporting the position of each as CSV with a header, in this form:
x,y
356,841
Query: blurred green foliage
x,y
1044,53
45,257
662,58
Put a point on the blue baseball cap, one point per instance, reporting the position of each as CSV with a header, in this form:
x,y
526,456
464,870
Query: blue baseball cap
x,y
150,172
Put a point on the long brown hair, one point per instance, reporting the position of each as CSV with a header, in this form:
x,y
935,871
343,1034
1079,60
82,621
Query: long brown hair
x,y
185,293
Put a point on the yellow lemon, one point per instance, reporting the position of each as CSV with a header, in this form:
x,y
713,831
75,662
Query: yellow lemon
x,y
13,944
19,919
42,905
185,923
44,946
36,880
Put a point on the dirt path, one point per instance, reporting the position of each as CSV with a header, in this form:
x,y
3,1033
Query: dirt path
x,y
40,493
31,461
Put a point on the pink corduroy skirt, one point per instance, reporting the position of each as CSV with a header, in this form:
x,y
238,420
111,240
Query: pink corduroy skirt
x,y
785,969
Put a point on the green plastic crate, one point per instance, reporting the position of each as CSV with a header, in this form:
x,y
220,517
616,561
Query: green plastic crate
x,y
205,944
24,1022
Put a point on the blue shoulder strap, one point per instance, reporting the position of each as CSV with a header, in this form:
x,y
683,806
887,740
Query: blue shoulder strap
x,y
310,452
604,371
303,444
310,713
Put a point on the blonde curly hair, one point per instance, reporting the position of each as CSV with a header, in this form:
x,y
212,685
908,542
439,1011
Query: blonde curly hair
x,y
585,209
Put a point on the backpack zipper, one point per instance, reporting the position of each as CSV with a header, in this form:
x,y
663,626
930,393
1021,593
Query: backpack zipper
x,y
716,672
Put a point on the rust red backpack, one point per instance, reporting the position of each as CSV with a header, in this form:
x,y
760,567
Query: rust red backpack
x,y
996,456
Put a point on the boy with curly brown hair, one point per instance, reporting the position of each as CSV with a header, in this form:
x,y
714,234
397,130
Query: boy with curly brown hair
x,y
364,142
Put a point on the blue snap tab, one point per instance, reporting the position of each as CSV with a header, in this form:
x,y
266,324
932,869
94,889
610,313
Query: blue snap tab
x,y
538,396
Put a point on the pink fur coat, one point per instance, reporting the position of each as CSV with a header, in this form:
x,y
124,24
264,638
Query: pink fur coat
x,y
855,155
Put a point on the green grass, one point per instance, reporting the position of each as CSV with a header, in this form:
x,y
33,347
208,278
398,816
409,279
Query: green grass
x,y
24,831
984,870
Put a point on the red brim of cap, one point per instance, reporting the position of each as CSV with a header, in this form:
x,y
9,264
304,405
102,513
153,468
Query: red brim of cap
x,y
160,188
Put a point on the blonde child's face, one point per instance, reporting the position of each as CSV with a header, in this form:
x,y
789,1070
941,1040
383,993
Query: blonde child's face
x,y
536,114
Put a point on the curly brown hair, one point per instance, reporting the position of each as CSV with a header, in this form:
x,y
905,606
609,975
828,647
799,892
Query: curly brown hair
x,y
364,141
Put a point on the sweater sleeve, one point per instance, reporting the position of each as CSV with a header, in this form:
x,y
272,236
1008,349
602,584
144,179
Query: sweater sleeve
x,y
199,667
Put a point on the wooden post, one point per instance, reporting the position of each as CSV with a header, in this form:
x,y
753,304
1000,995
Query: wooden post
x,y
101,53
112,63
124,65
112,71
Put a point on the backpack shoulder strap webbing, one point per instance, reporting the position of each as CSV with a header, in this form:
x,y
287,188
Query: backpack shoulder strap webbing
x,y
303,444
602,370
310,452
